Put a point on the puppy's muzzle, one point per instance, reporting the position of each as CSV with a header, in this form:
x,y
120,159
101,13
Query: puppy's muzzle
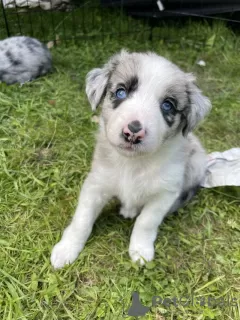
x,y
133,132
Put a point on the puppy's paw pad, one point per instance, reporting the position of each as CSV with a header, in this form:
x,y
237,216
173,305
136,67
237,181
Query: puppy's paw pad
x,y
128,212
141,254
63,253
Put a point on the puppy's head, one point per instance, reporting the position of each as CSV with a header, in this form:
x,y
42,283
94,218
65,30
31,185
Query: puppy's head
x,y
146,100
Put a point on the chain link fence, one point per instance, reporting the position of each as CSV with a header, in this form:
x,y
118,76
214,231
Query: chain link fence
x,y
74,20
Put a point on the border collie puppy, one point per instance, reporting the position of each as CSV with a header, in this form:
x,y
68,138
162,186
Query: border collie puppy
x,y
145,154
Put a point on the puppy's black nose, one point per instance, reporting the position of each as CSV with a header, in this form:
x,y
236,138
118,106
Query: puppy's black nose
x,y
133,132
135,126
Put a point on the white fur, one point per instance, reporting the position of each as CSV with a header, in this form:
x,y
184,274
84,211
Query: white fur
x,y
149,178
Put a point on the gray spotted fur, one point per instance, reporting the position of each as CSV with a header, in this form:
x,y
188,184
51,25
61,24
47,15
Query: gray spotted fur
x,y
23,59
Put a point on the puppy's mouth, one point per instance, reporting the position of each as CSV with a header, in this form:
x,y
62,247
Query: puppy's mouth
x,y
130,146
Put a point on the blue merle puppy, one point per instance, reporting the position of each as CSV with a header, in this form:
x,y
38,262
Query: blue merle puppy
x,y
23,59
146,154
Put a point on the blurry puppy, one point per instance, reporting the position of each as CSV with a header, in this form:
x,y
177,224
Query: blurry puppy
x,y
145,154
23,59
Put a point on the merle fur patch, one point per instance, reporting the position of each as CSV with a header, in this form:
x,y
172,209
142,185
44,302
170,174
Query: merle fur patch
x,y
130,86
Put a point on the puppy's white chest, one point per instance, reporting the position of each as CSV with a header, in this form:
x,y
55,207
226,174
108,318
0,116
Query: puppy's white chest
x,y
134,186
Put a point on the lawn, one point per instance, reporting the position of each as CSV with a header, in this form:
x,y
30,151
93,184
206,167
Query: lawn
x,y
46,144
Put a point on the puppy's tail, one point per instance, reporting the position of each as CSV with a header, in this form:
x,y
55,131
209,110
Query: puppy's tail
x,y
184,198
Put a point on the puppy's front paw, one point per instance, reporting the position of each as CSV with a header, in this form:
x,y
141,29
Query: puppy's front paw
x,y
128,212
63,253
141,253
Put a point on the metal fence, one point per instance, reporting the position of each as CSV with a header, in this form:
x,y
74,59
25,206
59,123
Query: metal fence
x,y
73,20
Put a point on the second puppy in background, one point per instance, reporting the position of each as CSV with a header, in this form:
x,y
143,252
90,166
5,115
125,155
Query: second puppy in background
x,y
145,154
23,59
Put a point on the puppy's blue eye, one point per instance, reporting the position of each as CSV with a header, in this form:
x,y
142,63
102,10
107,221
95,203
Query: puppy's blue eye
x,y
167,105
121,93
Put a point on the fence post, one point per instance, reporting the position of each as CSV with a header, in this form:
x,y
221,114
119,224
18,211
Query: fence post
x,y
5,19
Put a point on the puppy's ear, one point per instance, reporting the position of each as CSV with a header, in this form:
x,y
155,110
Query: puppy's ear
x,y
198,107
96,83
97,79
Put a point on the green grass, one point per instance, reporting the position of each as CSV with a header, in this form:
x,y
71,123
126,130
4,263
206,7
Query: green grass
x,y
46,145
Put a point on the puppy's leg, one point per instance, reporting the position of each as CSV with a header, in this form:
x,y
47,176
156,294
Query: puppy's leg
x,y
91,201
145,229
